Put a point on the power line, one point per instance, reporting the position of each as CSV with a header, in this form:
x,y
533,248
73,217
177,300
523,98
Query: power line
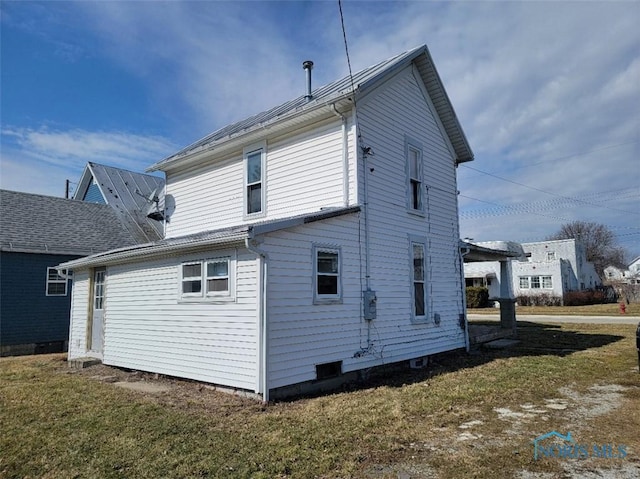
x,y
584,153
631,192
569,198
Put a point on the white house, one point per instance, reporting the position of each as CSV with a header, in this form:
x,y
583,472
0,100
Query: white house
x,y
305,243
631,275
545,267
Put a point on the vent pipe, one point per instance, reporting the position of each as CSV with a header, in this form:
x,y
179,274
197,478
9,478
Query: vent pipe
x,y
308,66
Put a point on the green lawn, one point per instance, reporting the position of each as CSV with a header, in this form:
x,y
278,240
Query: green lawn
x,y
58,424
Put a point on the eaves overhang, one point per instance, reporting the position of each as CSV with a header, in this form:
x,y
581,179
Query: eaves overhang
x,y
201,241
474,253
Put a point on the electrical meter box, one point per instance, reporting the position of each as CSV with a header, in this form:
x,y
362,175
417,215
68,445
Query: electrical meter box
x,y
369,305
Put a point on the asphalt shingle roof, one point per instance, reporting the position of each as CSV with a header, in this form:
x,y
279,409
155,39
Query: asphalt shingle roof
x,y
46,224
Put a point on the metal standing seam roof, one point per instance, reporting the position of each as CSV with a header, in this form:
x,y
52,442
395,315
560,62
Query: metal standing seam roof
x,y
45,224
216,238
127,192
362,81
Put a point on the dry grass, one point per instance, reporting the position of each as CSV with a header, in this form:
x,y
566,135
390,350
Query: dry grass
x,y
60,424
612,309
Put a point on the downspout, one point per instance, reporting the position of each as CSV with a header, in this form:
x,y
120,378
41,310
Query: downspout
x,y
345,157
464,253
365,204
250,244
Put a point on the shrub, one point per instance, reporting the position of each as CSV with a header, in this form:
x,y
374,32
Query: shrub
x,y
582,298
541,299
477,297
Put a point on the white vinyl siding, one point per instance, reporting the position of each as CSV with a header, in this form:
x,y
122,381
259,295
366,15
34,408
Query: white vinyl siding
x,y
78,313
301,174
301,337
147,328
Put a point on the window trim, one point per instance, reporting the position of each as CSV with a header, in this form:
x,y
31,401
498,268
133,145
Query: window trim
x,y
58,280
539,280
184,278
326,298
413,145
246,152
422,241
217,294
206,296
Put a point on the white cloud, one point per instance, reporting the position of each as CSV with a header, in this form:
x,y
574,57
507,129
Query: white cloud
x,y
39,161
547,92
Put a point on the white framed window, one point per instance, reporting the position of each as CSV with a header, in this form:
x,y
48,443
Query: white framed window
x,y
217,277
418,266
254,181
415,177
536,282
210,279
56,284
192,279
327,270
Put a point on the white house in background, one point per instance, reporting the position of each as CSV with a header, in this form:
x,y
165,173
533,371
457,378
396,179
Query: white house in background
x,y
551,267
631,275
305,243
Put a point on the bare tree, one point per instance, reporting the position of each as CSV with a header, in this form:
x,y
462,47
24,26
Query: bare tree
x,y
599,243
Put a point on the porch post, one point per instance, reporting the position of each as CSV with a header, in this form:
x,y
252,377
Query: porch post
x,y
506,299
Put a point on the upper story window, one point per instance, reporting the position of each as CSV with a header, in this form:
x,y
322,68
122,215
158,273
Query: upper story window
x,y
254,165
327,275
207,280
415,177
56,284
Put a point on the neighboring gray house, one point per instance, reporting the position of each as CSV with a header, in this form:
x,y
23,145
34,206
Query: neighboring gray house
x,y
303,244
546,267
36,234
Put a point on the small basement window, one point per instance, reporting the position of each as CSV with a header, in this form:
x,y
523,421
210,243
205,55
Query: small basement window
x,y
328,370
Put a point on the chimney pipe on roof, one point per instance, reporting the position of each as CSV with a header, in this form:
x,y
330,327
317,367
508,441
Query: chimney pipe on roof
x,y
308,66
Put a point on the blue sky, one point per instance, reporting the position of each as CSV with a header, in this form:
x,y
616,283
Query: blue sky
x,y
548,93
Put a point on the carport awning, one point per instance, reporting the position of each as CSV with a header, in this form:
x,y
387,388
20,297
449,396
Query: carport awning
x,y
473,253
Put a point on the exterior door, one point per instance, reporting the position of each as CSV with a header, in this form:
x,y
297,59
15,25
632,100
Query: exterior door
x,y
97,310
